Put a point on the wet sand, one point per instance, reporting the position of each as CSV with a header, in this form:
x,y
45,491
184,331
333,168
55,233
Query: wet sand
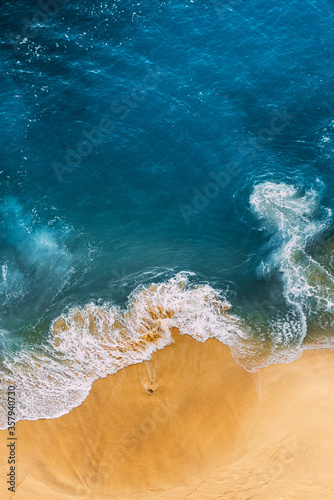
x,y
188,424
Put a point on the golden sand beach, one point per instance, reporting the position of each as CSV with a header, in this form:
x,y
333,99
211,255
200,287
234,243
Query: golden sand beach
x,y
188,424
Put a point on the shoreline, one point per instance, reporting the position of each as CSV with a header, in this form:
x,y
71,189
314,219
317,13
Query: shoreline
x,y
189,423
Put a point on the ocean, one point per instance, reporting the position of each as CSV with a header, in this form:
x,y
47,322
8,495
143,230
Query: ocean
x,y
163,164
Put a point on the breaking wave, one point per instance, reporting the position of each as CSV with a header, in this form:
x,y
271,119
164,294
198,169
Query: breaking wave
x,y
94,341
296,222
90,342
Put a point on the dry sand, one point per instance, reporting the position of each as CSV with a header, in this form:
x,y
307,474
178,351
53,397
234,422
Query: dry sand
x,y
189,424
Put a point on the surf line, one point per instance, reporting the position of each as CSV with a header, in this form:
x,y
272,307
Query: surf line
x,y
121,108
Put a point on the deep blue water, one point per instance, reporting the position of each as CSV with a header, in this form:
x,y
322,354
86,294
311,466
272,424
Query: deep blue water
x,y
133,134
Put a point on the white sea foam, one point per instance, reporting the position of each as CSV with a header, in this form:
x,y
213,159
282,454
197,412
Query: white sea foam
x,y
38,260
93,341
294,219
37,255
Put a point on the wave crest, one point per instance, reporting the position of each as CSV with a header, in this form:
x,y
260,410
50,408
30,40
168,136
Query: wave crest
x,y
295,219
93,341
